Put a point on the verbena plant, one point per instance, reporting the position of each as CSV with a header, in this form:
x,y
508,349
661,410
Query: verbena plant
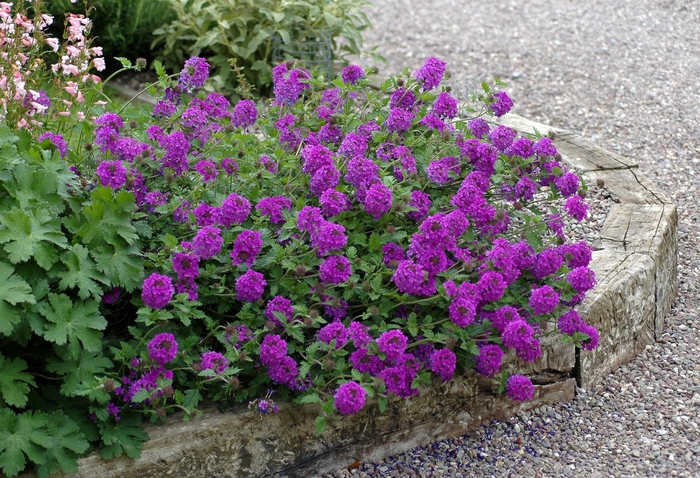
x,y
334,244
244,30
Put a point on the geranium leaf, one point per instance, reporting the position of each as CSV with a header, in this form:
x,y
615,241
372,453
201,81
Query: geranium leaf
x,y
14,290
76,323
66,443
33,234
81,273
126,435
14,382
21,437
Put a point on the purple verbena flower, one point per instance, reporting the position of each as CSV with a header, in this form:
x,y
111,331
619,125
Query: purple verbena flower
x,y
111,174
502,105
214,361
157,291
352,73
162,348
431,73
489,360
543,300
194,74
245,114
279,304
207,242
335,270
250,286
520,388
443,363
349,398
334,331
246,247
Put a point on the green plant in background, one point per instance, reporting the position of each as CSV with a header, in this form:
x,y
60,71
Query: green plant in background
x,y
221,30
124,28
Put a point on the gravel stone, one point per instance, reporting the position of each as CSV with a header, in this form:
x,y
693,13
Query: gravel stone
x,y
624,74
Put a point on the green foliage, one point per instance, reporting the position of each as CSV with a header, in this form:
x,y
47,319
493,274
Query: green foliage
x,y
123,28
243,30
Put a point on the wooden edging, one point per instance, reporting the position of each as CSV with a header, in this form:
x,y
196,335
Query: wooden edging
x,y
637,282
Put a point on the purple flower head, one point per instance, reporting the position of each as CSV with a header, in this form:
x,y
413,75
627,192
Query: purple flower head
x,y
112,295
570,322
330,133
567,184
403,98
206,215
504,316
352,73
229,165
366,129
547,263
334,331
398,380
445,106
431,73
545,147
309,219
502,105
582,279
245,114
315,157
234,210
432,121
272,349
335,270
334,308
392,344
207,169
250,286
526,188
359,334
410,278
520,388
164,108
543,300
187,285
111,121
399,120
157,291
279,304
378,200
520,147
112,174
207,242
362,172
162,348
214,361
324,179
420,201
365,362
502,137
272,208
491,286
462,311
578,254
443,170
186,266
194,74
328,237
289,85
246,248
443,363
593,337
393,254
333,203
489,360
517,334
479,127
284,372
58,141
576,207
349,398
353,145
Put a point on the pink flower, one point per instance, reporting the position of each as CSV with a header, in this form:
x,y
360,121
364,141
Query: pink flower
x,y
99,64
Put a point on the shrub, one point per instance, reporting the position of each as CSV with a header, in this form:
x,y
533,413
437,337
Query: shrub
x,y
243,30
123,28
336,244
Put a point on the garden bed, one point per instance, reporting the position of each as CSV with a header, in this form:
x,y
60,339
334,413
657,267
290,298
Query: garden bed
x,y
636,273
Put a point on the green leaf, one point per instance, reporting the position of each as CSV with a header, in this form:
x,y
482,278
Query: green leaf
x,y
126,63
81,273
108,217
123,265
32,234
14,290
321,425
308,398
192,399
125,436
382,404
67,442
21,437
76,323
80,377
14,383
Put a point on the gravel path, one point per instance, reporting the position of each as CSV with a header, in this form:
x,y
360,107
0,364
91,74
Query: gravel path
x,y
626,74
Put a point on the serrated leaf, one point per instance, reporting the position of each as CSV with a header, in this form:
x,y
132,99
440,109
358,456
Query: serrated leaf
x,y
67,442
32,234
122,264
382,404
321,425
79,375
308,398
76,323
125,436
14,290
81,273
14,383
108,217
192,399
21,437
